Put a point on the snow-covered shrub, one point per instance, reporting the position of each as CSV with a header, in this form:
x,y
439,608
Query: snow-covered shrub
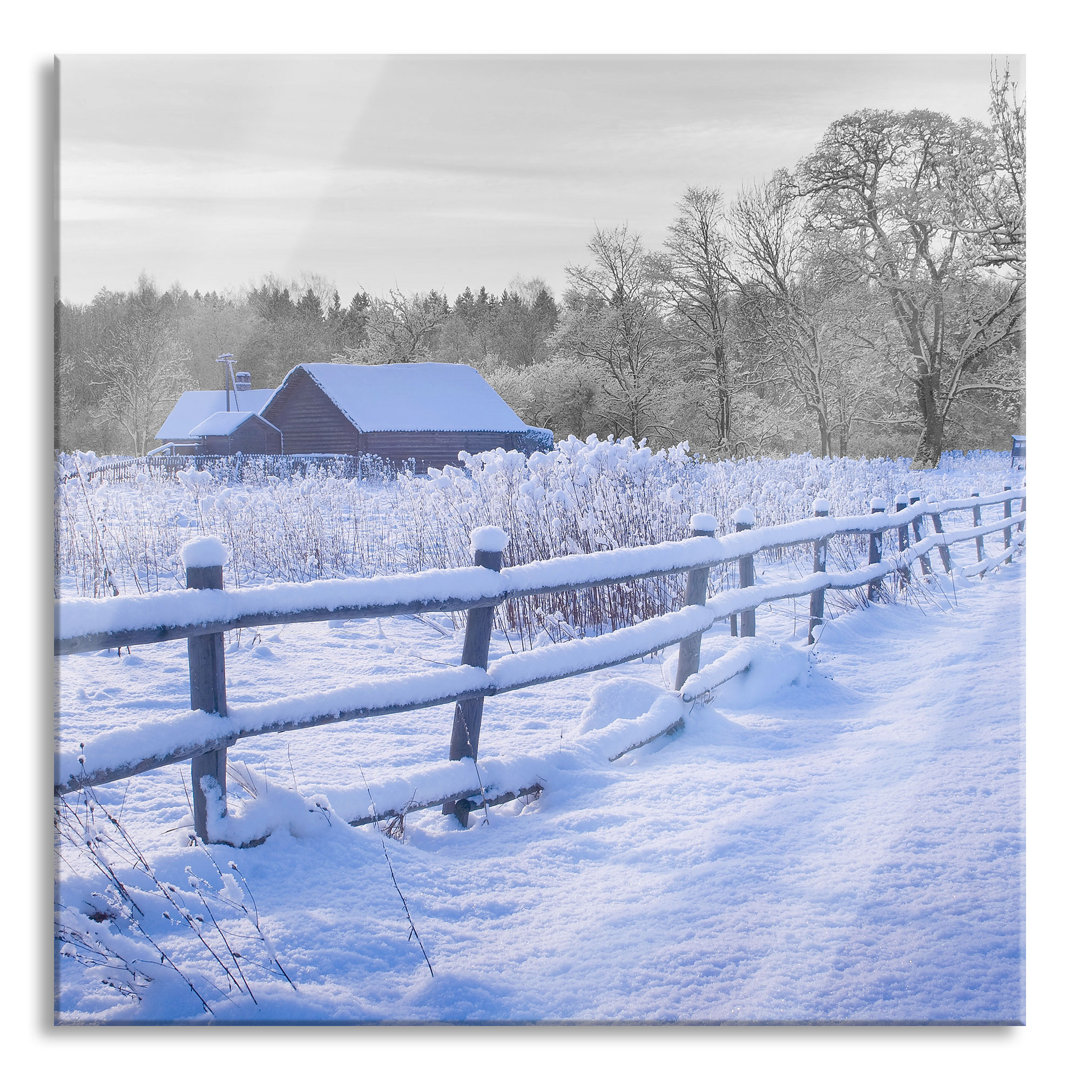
x,y
583,495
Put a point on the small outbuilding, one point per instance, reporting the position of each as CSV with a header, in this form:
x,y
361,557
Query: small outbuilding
x,y
426,413
195,406
236,433
1019,452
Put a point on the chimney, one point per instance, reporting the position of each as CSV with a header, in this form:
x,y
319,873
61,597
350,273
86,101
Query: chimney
x,y
243,380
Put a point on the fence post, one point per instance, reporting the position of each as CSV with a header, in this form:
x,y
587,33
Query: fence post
x,y
873,592
488,544
943,549
976,520
1008,529
697,587
744,519
817,597
916,528
204,559
733,619
902,542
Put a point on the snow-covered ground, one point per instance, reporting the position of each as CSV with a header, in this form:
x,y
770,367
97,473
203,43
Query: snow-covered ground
x,y
841,839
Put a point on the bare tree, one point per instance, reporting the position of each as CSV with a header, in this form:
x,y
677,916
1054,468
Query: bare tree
x,y
139,367
906,200
1002,207
400,330
695,280
611,318
812,322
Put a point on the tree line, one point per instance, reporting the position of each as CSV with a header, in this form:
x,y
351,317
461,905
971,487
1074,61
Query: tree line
x,y
870,300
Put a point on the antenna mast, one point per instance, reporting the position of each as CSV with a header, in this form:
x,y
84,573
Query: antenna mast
x,y
227,360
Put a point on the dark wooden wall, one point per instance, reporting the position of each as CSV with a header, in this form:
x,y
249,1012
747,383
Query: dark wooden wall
x,y
431,449
253,436
309,422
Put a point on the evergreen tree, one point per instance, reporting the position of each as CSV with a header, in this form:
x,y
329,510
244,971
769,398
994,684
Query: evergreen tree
x,y
309,308
355,320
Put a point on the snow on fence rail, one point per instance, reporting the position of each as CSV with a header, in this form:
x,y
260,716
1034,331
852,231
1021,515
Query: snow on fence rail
x,y
205,612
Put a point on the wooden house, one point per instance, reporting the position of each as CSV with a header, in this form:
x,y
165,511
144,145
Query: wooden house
x,y
426,413
236,433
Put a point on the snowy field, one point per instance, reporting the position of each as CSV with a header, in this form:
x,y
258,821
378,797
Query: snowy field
x,y
837,837
849,847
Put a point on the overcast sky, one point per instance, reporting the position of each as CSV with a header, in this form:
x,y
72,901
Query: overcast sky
x,y
420,172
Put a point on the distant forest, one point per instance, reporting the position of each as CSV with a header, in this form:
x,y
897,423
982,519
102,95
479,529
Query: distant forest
x,y
869,302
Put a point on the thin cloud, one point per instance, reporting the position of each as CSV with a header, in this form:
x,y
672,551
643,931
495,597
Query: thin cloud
x,y
434,170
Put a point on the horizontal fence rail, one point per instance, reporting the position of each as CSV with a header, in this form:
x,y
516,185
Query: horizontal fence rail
x,y
204,612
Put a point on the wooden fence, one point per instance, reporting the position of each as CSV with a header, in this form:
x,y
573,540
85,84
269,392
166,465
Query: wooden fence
x,y
236,467
204,612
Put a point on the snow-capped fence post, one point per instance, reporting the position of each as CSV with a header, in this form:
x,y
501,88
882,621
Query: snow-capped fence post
x,y
817,597
1007,515
976,520
902,543
943,548
488,544
204,560
697,587
873,593
744,519
916,528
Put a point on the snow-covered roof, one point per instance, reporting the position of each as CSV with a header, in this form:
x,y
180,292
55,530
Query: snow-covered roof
x,y
414,397
222,423
195,406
